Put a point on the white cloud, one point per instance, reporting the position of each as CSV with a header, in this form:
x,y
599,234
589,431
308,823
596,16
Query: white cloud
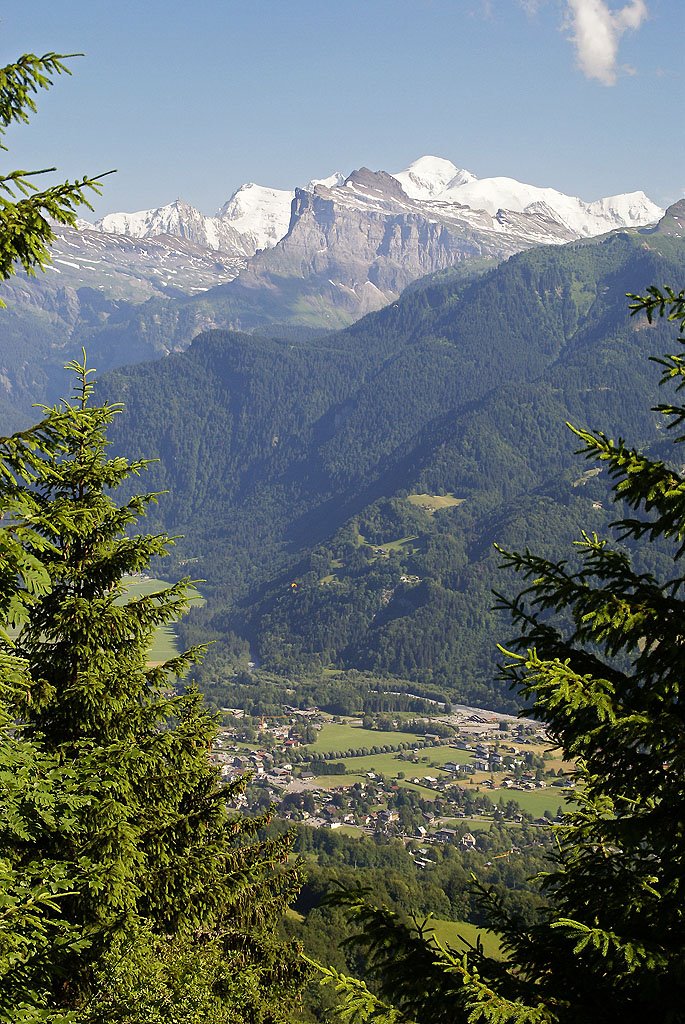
x,y
596,31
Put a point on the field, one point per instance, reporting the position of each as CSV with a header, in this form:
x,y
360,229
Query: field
x,y
450,932
336,781
432,503
397,545
439,756
165,643
351,735
475,824
534,801
347,736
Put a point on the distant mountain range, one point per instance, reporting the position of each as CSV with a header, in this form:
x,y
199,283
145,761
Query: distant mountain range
x,y
137,286
341,494
256,217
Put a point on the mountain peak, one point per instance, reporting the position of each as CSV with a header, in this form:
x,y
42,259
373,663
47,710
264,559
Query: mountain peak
x,y
380,182
332,181
673,221
428,176
259,212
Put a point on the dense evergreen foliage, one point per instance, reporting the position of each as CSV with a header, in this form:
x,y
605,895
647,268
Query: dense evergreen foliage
x,y
601,664
296,467
26,213
129,882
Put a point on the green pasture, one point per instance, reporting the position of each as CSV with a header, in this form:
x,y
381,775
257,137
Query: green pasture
x,y
347,736
452,933
432,503
473,824
354,831
423,791
534,801
165,641
397,545
439,756
336,781
386,764
400,544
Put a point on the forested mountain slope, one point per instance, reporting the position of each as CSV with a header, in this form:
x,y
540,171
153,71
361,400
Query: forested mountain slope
x,y
341,495
137,286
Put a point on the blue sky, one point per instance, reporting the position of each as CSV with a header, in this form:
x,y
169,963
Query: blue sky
x,y
192,99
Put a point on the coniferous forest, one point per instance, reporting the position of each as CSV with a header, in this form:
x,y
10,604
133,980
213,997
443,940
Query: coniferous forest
x,y
295,471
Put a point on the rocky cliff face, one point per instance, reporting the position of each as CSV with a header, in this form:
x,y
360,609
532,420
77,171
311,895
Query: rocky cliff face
x,y
364,241
138,286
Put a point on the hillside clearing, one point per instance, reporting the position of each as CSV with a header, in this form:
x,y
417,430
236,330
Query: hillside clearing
x,y
432,503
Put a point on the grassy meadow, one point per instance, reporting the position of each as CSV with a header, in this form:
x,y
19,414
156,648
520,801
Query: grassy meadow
x,y
452,933
351,736
432,503
165,641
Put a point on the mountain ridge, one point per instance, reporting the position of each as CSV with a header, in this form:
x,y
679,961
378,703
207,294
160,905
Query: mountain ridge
x,y
260,215
300,458
351,246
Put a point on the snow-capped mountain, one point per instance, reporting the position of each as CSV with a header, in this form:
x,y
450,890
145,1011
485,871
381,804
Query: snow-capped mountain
x,y
260,215
323,255
337,178
432,179
254,218
585,219
429,177
257,217
181,220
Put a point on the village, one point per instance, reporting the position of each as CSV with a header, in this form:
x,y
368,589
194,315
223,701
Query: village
x,y
437,779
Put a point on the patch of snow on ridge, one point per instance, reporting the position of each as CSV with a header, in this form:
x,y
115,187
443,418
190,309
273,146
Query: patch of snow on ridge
x,y
429,176
332,181
261,213
630,208
494,194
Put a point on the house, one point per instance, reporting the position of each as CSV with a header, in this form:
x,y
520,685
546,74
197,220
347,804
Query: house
x,y
468,841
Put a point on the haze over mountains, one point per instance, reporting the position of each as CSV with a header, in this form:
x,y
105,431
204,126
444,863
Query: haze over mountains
x,y
137,286
371,466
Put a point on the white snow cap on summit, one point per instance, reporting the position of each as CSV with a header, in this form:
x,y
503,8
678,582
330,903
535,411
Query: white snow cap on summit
x,y
257,217
429,176
332,181
493,194
259,212
433,179
165,219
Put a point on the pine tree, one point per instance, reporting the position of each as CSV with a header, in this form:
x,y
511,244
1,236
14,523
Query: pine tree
x,y
157,865
601,660
26,212
128,891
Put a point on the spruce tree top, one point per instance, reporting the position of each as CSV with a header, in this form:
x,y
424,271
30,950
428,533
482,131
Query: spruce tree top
x,y
27,213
